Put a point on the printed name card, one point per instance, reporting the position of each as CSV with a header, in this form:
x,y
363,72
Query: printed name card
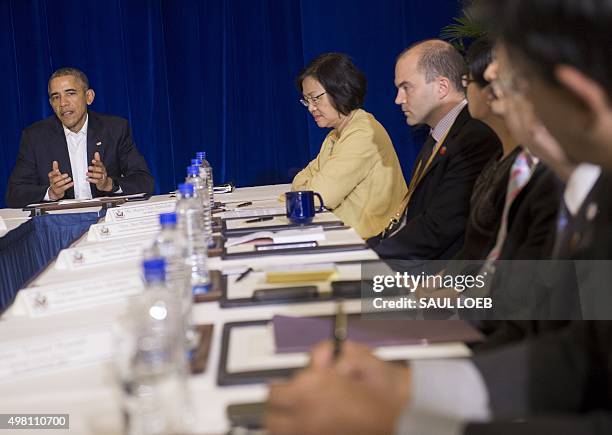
x,y
57,298
124,213
96,255
50,353
118,230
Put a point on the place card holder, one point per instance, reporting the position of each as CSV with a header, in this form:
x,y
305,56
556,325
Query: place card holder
x,y
199,356
217,283
218,248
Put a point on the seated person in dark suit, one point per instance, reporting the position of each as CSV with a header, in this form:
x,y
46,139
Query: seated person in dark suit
x,y
556,52
522,221
431,222
76,153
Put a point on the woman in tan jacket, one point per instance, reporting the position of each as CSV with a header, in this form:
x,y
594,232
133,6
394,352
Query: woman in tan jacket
x,y
357,171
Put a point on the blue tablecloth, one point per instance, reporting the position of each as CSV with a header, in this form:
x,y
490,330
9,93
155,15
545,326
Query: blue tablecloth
x,y
27,249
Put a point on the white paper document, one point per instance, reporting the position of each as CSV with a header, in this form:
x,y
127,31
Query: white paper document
x,y
101,254
313,234
118,230
54,352
253,212
252,348
126,212
57,298
246,287
319,218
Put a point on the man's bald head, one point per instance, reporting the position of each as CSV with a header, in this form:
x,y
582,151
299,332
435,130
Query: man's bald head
x,y
437,58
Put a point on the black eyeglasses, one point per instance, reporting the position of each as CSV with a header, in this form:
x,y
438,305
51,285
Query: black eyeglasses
x,y
307,101
466,80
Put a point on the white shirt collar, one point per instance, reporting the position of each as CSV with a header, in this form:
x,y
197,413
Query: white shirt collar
x,y
83,129
447,121
579,185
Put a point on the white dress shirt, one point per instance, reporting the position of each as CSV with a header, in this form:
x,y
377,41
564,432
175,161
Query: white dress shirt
x,y
77,150
446,394
579,185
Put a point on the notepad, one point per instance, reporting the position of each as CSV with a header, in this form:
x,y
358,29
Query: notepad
x,y
300,334
300,273
313,234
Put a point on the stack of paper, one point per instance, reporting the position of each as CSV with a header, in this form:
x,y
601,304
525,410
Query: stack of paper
x,y
313,234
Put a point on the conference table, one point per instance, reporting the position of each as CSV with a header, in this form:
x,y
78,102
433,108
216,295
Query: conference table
x,y
62,361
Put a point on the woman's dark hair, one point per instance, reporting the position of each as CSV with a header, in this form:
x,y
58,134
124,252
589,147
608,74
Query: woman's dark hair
x,y
343,82
478,58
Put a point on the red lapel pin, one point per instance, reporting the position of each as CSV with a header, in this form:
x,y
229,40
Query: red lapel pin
x,y
442,151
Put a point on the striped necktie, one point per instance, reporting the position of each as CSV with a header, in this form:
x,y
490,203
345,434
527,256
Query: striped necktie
x,y
520,173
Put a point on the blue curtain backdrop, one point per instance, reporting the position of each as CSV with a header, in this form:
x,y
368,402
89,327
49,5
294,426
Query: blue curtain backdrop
x,y
214,75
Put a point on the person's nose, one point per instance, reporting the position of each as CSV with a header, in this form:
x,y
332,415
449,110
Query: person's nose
x,y
400,98
490,73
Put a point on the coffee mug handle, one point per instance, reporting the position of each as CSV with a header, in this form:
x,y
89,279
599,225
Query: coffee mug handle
x,y
321,205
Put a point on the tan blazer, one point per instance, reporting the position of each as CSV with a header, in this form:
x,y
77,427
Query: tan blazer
x,y
358,175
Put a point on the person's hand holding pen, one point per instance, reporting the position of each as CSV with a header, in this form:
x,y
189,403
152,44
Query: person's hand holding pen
x,y
357,362
350,393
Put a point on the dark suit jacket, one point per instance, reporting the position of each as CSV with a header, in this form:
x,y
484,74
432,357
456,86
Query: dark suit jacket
x,y
438,210
559,383
579,233
519,296
45,141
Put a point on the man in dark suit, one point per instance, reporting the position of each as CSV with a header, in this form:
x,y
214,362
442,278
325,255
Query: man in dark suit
x,y
434,214
76,153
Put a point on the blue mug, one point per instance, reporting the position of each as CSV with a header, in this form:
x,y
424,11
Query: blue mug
x,y
300,206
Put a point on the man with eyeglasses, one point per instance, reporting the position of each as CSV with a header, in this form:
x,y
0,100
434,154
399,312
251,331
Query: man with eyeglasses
x,y
76,153
431,221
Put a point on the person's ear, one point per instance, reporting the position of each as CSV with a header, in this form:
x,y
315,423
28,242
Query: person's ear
x,y
444,87
90,95
584,88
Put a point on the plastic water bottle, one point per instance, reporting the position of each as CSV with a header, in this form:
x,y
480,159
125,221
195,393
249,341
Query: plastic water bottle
x,y
156,397
207,168
170,244
200,190
190,224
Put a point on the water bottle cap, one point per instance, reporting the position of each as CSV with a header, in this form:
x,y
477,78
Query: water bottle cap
x,y
196,162
154,269
193,170
167,219
201,155
186,189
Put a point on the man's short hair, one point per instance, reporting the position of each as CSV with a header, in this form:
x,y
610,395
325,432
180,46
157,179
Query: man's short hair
x,y
478,57
341,79
548,33
70,71
439,59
